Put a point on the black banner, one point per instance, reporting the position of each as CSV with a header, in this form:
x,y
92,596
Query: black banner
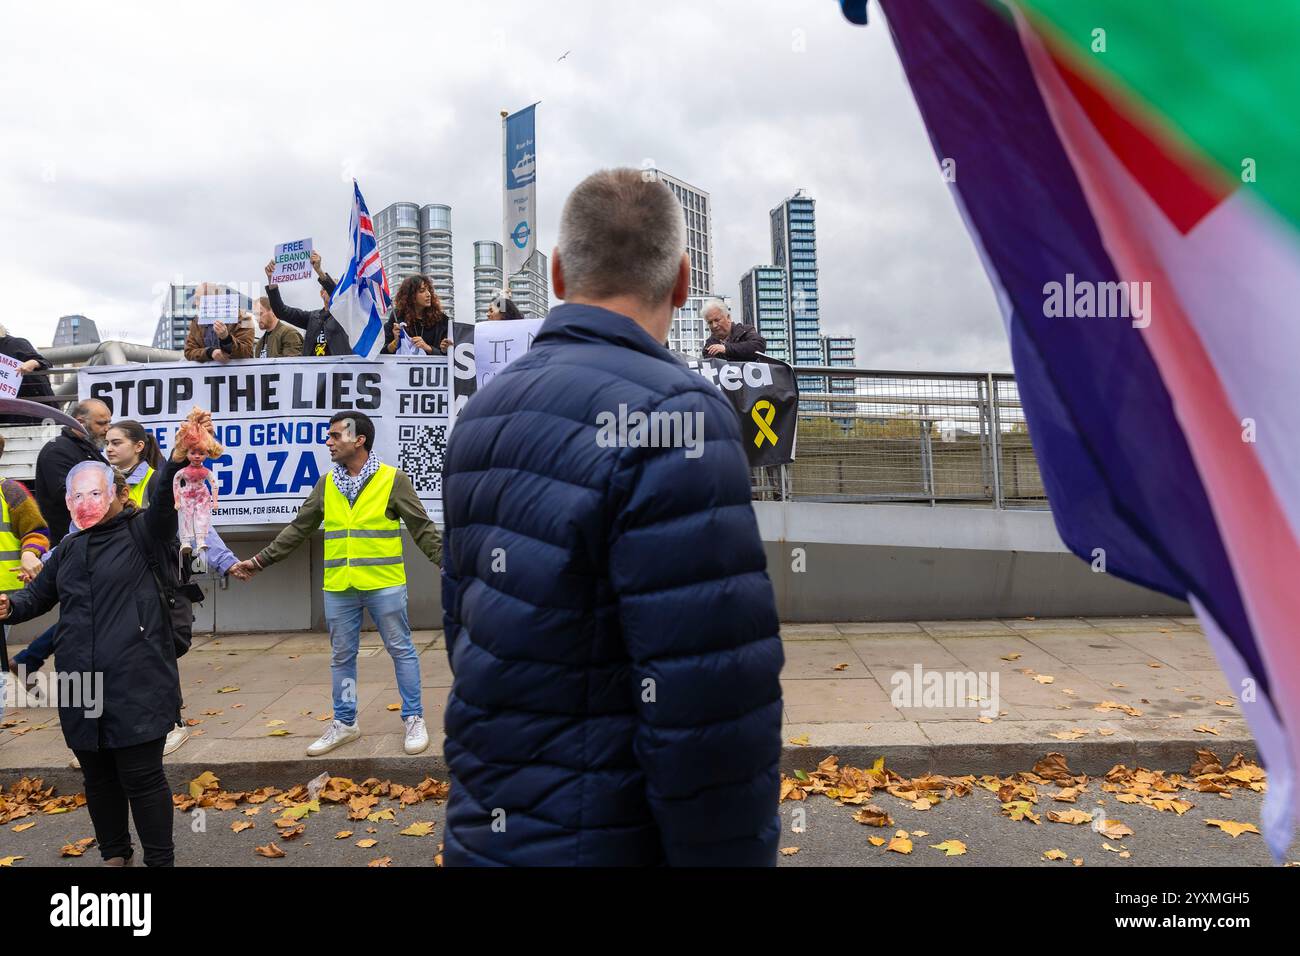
x,y
464,382
766,398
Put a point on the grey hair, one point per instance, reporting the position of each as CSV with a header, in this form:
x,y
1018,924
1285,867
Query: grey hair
x,y
104,469
4,329
82,410
621,233
711,304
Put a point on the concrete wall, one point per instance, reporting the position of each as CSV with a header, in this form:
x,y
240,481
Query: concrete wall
x,y
909,562
863,563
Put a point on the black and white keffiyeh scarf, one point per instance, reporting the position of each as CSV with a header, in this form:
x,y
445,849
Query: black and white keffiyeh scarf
x,y
350,485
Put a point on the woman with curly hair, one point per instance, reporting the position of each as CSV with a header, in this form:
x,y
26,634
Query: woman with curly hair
x,y
418,310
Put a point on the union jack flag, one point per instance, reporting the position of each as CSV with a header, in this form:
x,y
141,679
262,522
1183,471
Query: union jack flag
x,y
361,299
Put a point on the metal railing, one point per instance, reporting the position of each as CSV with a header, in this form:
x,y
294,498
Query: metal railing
x,y
63,376
865,435
869,435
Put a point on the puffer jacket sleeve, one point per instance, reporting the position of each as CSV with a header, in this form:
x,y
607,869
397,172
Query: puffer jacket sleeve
x,y
698,616
450,591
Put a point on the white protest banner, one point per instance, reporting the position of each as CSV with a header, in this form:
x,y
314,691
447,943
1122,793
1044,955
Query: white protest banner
x,y
482,349
10,378
272,417
497,344
219,307
292,261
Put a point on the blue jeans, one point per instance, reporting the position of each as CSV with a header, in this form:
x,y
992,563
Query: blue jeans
x,y
35,654
387,607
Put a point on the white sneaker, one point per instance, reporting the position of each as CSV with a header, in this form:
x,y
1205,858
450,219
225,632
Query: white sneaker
x,y
417,736
175,737
336,735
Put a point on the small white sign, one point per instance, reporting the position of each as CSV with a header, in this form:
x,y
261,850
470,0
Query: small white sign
x,y
497,344
292,261
223,308
10,378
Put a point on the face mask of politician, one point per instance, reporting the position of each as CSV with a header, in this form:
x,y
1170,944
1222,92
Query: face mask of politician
x,y
90,494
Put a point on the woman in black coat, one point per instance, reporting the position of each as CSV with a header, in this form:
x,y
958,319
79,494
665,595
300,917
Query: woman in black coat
x,y
113,640
418,308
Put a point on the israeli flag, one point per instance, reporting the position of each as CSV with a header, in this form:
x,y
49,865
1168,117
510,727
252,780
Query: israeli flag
x,y
361,298
404,344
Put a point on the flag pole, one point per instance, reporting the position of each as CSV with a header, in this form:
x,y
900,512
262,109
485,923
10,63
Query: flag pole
x,y
505,199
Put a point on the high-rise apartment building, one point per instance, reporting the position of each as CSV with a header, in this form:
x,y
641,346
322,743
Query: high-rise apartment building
x,y
763,306
794,249
416,240
699,230
840,351
697,211
435,253
75,330
488,258
530,287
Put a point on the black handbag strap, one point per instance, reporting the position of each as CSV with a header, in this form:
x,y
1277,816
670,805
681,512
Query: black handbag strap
x,y
4,649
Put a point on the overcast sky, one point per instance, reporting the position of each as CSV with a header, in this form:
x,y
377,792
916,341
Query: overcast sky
x,y
158,142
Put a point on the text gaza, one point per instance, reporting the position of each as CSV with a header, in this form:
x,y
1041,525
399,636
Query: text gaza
x,y
240,392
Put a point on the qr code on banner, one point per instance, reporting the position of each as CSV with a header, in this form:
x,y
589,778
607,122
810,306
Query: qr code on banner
x,y
420,455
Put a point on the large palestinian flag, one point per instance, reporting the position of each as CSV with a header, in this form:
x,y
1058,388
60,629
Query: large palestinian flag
x,y
1155,145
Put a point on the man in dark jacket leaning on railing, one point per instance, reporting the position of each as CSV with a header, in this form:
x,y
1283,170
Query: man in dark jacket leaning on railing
x,y
609,620
728,339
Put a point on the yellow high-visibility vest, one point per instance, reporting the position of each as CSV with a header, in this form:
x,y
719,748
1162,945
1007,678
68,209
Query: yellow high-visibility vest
x,y
363,546
137,493
11,551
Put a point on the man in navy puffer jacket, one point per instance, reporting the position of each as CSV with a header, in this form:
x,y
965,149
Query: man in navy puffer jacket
x,y
608,614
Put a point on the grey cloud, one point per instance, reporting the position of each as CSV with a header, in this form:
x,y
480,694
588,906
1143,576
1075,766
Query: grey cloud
x,y
204,138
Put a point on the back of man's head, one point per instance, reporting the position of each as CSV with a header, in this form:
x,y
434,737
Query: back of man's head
x,y
622,233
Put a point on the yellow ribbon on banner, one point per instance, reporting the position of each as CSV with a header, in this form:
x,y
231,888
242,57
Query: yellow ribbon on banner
x,y
764,431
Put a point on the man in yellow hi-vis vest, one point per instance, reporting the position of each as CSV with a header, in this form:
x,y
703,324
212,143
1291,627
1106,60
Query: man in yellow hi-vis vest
x,y
360,502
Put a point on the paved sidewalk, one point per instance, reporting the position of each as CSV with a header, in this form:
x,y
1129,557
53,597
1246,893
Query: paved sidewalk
x,y
837,684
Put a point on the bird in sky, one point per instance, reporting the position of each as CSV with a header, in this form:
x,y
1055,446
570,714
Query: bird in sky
x,y
566,53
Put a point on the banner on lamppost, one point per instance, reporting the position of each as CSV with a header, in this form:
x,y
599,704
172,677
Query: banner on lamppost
x,y
519,218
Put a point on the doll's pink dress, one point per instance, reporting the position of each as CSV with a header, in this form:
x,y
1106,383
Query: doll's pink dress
x,y
193,491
